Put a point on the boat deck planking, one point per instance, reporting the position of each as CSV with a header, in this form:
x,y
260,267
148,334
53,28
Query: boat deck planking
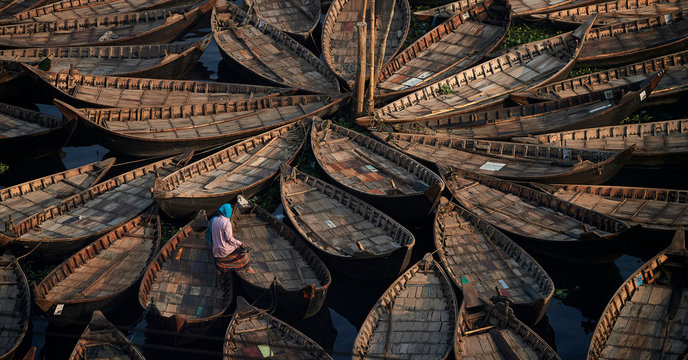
x,y
612,12
520,8
296,18
102,340
70,9
15,306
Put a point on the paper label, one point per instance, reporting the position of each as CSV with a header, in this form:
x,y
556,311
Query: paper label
x,y
371,168
668,18
639,280
412,82
330,224
425,75
608,94
492,166
58,309
643,95
466,16
464,279
265,350
503,284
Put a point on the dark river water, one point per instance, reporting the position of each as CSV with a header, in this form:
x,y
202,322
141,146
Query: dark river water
x,y
582,292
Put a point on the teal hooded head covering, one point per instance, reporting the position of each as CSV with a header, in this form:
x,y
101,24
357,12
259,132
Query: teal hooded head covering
x,y
224,210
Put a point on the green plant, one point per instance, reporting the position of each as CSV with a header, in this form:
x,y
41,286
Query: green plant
x,y
523,34
167,231
583,71
270,199
3,168
637,118
446,89
36,272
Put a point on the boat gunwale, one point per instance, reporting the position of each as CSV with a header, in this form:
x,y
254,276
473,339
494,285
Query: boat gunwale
x,y
81,346
25,292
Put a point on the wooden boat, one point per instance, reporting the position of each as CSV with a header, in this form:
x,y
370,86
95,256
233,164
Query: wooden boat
x,y
353,237
661,143
180,287
296,18
520,8
11,7
659,285
340,38
98,276
634,41
13,84
69,9
253,332
606,107
61,229
671,88
161,61
20,201
15,301
611,12
127,92
31,354
241,169
102,340
144,27
524,67
288,268
491,331
27,134
374,172
163,130
481,260
459,42
512,161
541,222
660,209
414,318
266,54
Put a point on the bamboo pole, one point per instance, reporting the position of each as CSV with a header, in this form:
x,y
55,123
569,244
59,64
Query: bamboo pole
x,y
360,70
383,44
370,103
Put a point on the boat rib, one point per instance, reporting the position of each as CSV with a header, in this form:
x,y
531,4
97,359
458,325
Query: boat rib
x,y
520,8
541,222
15,302
378,174
61,229
240,169
11,7
612,12
355,238
102,340
100,274
70,9
521,68
414,318
266,53
296,18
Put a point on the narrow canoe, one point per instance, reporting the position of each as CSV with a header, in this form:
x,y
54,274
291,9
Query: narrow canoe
x,y
491,331
253,332
241,169
70,9
340,37
180,287
376,173
520,8
611,12
11,7
633,41
478,256
605,107
456,44
127,92
541,222
98,276
288,269
296,18
102,340
23,200
144,27
164,130
59,230
414,318
520,68
27,134
661,143
512,161
161,61
266,54
357,240
661,209
15,303
672,88
660,286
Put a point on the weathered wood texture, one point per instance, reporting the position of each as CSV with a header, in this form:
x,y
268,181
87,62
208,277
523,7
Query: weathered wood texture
x,y
102,340
144,27
11,7
476,254
414,318
521,8
63,228
647,316
267,53
512,161
612,12
297,18
181,285
241,169
162,61
340,38
284,262
70,9
523,67
23,200
355,238
388,179
250,328
128,92
544,223
459,42
101,274
15,306
28,134
153,131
